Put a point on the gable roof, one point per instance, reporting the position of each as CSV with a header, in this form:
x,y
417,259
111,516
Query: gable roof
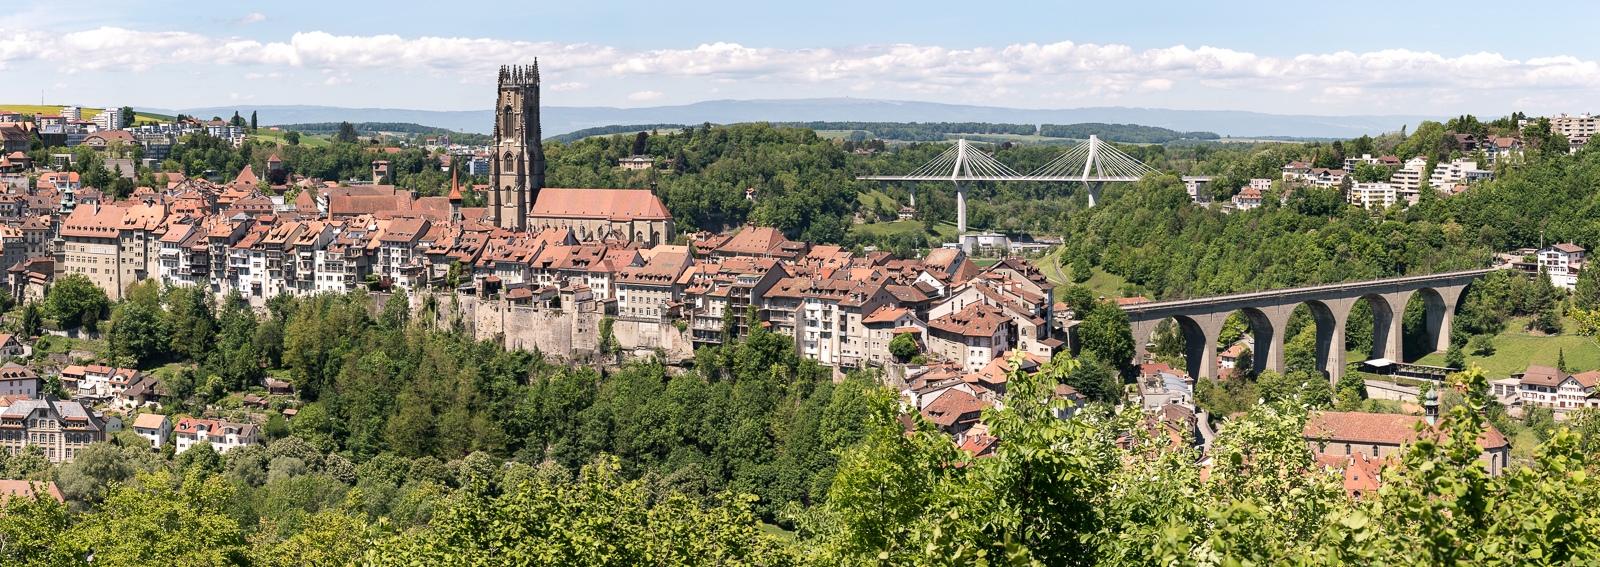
x,y
615,204
1389,429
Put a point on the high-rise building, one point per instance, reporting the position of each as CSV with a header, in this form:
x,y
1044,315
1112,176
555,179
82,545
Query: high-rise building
x,y
518,162
109,119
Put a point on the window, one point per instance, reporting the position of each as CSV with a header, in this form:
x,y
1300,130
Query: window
x,y
1347,449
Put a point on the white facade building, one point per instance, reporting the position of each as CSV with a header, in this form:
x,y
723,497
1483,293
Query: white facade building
x,y
1563,262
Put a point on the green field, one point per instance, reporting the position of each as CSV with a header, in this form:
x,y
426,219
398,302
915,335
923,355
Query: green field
x,y
1514,351
88,113
277,137
946,231
1101,283
870,198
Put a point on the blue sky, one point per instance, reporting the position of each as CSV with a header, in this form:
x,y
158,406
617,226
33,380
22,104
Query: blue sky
x,y
1319,58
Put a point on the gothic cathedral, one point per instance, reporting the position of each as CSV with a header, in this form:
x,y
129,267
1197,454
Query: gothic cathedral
x,y
518,168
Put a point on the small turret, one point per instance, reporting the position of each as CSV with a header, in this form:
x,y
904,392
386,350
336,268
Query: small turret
x,y
1430,405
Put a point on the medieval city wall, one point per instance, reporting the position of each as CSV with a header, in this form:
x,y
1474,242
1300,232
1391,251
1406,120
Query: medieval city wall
x,y
558,333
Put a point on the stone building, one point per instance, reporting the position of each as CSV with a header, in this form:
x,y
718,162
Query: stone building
x,y
60,428
1380,436
518,199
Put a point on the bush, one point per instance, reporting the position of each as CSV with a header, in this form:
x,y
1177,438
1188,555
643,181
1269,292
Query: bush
x,y
1481,345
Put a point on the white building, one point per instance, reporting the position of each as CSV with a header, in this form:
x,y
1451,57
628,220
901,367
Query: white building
x,y
1370,195
109,119
1410,175
1563,262
1461,171
18,380
154,427
223,435
1248,198
1552,388
1350,163
72,113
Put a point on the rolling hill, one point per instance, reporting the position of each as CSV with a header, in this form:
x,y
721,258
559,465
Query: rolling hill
x,y
564,119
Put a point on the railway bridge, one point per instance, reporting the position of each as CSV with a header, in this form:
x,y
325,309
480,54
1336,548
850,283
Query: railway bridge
x,y
1201,319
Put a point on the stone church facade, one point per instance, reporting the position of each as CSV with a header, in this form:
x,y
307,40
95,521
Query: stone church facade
x,y
518,199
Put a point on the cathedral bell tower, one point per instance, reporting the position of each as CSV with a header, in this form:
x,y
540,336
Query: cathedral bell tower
x,y
517,169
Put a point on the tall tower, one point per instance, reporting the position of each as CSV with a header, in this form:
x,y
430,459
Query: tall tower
x,y
518,166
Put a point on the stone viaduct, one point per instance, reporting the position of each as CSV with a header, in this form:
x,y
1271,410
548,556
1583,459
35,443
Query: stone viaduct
x,y
1201,319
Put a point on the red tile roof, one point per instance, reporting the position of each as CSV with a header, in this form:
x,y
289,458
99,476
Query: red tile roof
x,y
616,204
1391,429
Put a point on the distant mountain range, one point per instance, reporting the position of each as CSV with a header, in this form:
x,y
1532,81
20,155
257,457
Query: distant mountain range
x,y
563,119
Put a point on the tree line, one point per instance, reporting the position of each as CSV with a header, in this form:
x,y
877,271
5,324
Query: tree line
x,y
1105,487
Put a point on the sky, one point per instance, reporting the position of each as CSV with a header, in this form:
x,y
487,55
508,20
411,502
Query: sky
x,y
1331,59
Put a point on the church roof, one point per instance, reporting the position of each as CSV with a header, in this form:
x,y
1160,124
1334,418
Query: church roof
x,y
614,204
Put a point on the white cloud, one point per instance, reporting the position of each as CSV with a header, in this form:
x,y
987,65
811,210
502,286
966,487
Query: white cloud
x,y
1060,72
237,96
249,19
59,86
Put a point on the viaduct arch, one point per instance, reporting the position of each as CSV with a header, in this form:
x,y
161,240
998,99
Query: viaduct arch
x,y
1201,319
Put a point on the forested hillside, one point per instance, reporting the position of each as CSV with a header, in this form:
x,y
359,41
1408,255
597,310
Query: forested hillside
x,y
1105,488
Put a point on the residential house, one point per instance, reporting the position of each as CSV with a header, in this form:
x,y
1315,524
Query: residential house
x,y
10,346
1458,172
1248,198
973,336
223,435
19,380
1563,262
650,292
1552,388
154,427
1353,434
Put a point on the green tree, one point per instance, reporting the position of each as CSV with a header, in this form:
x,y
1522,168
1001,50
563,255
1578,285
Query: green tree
x,y
1107,334
1081,270
137,332
253,124
347,134
903,346
1233,329
1481,345
75,299
292,138
32,319
1454,357
164,521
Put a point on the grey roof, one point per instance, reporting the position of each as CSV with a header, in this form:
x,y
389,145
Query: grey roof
x,y
24,408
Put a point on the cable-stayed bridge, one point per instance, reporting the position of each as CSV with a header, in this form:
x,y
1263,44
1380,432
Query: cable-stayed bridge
x,y
1092,163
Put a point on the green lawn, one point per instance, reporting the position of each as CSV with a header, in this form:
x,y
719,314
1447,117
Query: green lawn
x,y
870,199
946,231
772,530
1514,351
1100,283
